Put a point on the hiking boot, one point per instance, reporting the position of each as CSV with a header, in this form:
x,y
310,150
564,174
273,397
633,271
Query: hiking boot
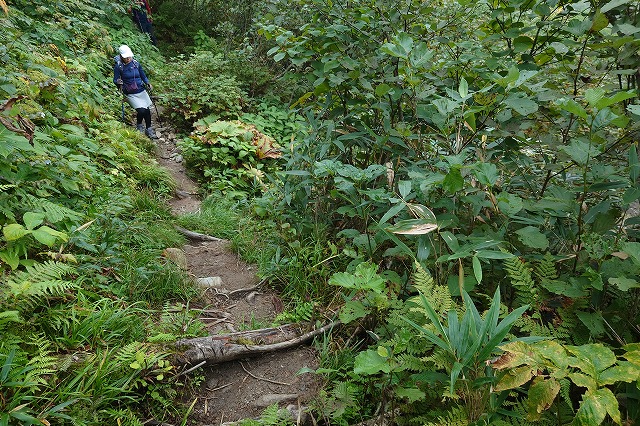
x,y
150,133
140,128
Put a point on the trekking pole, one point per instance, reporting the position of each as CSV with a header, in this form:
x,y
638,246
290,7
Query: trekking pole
x,y
154,105
124,120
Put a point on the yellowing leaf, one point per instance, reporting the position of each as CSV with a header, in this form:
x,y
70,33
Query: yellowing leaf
x,y
541,395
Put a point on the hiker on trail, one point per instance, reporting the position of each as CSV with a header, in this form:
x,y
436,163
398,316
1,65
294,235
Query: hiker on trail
x,y
130,78
141,15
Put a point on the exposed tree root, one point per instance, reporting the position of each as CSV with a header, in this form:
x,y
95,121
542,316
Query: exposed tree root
x,y
229,347
197,236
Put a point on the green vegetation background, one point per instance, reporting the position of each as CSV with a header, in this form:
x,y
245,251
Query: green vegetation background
x,y
456,181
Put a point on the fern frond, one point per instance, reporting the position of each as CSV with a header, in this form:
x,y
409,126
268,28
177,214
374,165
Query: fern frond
x,y
38,281
127,354
438,296
455,416
545,268
53,212
520,274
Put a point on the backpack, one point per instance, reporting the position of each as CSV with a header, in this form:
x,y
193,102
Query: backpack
x,y
127,88
118,61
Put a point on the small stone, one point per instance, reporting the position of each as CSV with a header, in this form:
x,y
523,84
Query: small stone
x,y
251,297
209,282
177,256
182,194
178,158
298,414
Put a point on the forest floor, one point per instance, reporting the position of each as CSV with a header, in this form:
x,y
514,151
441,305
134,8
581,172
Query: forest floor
x,y
244,388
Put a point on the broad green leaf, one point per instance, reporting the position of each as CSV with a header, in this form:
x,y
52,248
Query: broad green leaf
x,y
48,236
509,204
593,321
522,44
370,362
613,4
352,310
382,89
592,358
569,289
453,181
517,353
420,56
554,352
450,240
594,95
486,173
463,88
541,395
633,355
412,394
582,380
514,378
580,152
11,258
404,188
343,279
600,22
31,219
573,107
634,109
617,97
521,104
394,211
493,254
14,231
594,408
623,372
624,284
531,236
633,250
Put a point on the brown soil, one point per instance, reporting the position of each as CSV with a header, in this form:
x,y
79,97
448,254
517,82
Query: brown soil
x,y
240,389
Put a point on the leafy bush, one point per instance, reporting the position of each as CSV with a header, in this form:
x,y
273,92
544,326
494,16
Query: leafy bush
x,y
197,88
229,155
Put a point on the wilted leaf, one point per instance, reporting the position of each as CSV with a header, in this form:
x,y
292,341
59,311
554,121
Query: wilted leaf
x,y
541,395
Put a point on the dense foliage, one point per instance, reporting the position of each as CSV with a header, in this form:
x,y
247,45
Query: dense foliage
x,y
495,144
463,192
84,289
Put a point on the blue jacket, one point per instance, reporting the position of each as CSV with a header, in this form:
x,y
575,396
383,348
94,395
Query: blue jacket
x,y
132,76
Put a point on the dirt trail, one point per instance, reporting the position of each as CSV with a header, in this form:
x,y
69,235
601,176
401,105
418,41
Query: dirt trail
x,y
240,389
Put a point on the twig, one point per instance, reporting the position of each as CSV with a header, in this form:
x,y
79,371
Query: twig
x,y
189,370
197,236
246,289
220,387
241,290
263,378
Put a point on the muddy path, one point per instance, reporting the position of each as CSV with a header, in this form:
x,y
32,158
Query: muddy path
x,y
239,389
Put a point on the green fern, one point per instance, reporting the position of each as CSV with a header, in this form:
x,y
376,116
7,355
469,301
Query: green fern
x,y
41,280
525,288
455,416
545,268
53,212
437,295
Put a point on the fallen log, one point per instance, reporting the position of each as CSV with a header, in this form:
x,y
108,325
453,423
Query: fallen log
x,y
197,236
232,346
